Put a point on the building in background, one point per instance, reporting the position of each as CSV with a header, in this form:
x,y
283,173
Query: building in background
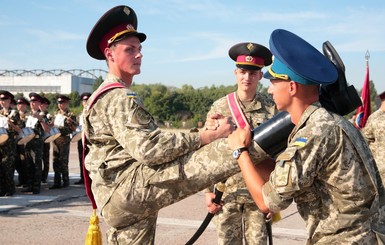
x,y
49,81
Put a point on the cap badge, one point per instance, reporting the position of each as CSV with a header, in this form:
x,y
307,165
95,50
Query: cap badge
x,y
249,58
250,46
126,11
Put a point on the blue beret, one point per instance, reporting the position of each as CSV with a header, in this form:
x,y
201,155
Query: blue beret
x,y
297,60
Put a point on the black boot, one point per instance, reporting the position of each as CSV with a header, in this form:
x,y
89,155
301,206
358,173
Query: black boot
x,y
55,186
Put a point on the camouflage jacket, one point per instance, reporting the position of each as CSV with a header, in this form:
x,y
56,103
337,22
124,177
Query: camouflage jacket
x,y
330,173
374,132
260,109
121,134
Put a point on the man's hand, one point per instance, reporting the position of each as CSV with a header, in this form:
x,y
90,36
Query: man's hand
x,y
241,137
217,126
212,207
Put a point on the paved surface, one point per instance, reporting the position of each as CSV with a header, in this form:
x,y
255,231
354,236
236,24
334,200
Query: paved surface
x,y
61,217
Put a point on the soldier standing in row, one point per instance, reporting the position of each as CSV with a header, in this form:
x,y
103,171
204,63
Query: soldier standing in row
x,y
66,122
22,105
33,149
46,146
84,97
8,148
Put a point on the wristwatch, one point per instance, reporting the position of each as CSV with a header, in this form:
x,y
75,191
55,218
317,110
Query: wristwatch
x,y
237,152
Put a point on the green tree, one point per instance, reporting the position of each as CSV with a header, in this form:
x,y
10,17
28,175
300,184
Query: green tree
x,y
97,83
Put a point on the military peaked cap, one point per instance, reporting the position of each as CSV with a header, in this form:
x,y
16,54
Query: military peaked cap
x,y
85,96
22,100
6,95
115,25
35,97
250,56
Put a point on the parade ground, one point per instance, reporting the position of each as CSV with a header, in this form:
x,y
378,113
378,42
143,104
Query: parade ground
x,y
61,216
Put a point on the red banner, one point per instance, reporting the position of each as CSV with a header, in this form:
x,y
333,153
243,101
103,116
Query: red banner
x,y
364,111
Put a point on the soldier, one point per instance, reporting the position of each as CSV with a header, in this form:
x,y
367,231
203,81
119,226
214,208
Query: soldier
x,y
374,132
136,168
46,146
22,105
240,217
11,121
84,97
38,122
66,122
327,167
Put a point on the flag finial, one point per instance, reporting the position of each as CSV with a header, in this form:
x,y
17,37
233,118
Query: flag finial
x,y
367,57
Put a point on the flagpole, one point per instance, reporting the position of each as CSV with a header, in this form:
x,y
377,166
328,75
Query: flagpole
x,y
367,57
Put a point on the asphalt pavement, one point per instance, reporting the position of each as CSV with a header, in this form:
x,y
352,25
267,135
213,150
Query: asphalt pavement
x,y
61,216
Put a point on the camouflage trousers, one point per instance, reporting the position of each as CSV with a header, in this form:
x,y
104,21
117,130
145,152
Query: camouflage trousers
x,y
61,151
240,220
33,154
45,170
133,208
21,165
7,167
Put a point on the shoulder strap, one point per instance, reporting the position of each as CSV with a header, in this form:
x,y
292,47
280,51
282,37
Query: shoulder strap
x,y
236,111
87,179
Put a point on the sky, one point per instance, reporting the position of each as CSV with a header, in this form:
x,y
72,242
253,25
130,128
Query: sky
x,y
188,41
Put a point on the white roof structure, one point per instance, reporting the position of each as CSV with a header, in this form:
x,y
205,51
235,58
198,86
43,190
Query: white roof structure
x,y
49,81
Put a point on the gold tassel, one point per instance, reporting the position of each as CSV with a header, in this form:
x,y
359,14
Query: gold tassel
x,y
276,217
94,235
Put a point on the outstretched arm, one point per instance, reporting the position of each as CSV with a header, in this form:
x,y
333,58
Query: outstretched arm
x,y
255,175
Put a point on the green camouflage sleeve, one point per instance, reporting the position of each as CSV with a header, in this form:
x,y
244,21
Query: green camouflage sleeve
x,y
136,131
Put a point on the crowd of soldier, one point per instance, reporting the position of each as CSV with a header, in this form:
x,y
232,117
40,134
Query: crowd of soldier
x,y
27,132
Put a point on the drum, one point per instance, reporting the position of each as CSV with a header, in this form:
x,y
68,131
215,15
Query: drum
x,y
3,135
52,135
25,136
77,134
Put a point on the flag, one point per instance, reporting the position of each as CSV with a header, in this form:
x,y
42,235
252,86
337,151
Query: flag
x,y
364,111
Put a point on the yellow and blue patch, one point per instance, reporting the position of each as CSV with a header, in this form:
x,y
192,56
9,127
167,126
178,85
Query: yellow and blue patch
x,y
131,95
301,141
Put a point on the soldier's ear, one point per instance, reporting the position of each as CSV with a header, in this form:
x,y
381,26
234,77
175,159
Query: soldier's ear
x,y
108,54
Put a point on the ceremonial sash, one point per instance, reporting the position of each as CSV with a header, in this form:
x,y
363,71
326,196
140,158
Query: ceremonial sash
x,y
236,111
87,179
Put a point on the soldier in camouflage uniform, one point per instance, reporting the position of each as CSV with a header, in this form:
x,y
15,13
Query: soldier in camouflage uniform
x,y
22,105
327,168
8,148
374,132
84,97
34,148
136,168
47,146
61,145
240,217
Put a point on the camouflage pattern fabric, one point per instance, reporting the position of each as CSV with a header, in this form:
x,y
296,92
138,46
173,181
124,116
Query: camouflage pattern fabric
x,y
46,152
329,171
374,132
34,157
8,155
61,151
240,217
137,169
20,159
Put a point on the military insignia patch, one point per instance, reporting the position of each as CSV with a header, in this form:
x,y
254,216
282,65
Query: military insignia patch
x,y
131,95
300,141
